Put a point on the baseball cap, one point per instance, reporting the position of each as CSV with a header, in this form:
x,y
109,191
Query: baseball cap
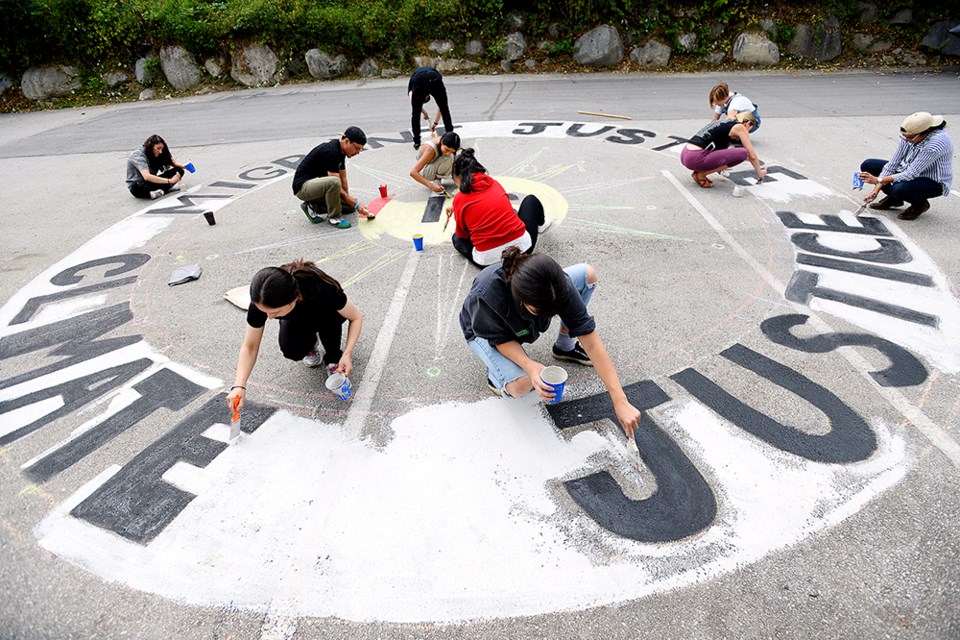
x,y
919,122
355,134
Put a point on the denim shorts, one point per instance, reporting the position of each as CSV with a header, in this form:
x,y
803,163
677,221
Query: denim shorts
x,y
502,370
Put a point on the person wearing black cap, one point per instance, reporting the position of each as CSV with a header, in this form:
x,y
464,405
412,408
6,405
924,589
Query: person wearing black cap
x,y
921,167
426,82
321,180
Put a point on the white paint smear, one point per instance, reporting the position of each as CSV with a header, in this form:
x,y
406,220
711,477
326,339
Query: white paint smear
x,y
782,188
457,518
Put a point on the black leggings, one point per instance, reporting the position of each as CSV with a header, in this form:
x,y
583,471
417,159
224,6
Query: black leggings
x,y
530,212
141,188
298,338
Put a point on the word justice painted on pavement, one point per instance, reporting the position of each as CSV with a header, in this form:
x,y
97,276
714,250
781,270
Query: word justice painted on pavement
x,y
560,518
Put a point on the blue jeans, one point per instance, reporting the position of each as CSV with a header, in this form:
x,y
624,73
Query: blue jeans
x,y
502,370
916,191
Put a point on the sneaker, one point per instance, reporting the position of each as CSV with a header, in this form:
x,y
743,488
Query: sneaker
x,y
547,224
309,212
156,193
493,387
313,359
577,354
339,223
332,368
175,187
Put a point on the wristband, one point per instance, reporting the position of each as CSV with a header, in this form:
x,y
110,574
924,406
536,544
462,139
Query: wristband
x,y
238,386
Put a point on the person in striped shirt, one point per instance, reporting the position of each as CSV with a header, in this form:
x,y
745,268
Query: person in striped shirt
x,y
921,167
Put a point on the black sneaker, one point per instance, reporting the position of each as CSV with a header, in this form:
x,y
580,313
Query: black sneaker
x,y
493,387
577,354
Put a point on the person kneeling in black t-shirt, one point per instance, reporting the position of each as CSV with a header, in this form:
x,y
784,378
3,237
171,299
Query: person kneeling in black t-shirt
x,y
311,307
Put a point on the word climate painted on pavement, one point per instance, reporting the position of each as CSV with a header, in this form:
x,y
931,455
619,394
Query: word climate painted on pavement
x,y
287,519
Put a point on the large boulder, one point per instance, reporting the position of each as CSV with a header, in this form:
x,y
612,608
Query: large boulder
x,y
214,67
145,70
441,47
867,11
652,54
600,47
821,43
514,47
322,67
115,78
43,83
369,68
254,65
180,67
902,17
939,38
753,47
474,48
5,83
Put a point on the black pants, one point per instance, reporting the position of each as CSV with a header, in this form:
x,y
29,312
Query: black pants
x,y
916,191
429,83
142,188
530,213
298,338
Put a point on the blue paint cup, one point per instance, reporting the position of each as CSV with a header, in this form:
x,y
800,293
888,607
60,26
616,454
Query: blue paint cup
x,y
189,167
340,386
857,181
555,378
418,242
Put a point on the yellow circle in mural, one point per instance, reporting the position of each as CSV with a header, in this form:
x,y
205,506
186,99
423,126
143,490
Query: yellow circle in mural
x,y
401,219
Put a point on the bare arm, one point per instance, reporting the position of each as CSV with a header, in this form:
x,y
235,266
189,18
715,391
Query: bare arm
x,y
426,155
245,362
149,177
627,414
741,132
355,319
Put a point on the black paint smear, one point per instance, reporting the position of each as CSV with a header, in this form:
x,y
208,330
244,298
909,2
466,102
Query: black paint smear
x,y
75,393
535,128
188,204
431,212
869,226
849,440
162,390
889,252
34,304
136,502
871,270
575,131
126,262
683,503
803,287
905,369
76,337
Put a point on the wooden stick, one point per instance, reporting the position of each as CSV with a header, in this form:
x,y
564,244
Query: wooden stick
x,y
605,115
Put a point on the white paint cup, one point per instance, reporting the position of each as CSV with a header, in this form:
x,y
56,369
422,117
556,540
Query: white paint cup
x,y
556,378
339,384
738,191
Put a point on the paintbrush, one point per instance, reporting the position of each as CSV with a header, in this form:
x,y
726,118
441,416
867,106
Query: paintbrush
x,y
449,215
235,420
635,458
860,209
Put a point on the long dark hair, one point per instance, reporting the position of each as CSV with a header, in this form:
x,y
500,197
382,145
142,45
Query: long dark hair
x,y
164,159
451,139
536,280
275,287
464,166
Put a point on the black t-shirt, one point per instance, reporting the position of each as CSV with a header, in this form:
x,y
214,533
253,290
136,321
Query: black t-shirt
x,y
319,308
717,133
490,312
322,160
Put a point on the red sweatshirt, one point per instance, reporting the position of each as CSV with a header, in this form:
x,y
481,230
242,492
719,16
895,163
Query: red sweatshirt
x,y
485,216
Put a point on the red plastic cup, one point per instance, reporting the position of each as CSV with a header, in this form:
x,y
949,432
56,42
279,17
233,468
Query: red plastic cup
x,y
383,191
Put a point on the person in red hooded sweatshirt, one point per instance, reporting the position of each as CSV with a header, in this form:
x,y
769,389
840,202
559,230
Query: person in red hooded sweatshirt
x,y
486,222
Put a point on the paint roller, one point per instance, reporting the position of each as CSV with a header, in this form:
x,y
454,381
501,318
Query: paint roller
x,y
235,419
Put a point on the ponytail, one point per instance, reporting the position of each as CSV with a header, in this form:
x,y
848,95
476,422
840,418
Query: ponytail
x,y
536,280
275,287
464,166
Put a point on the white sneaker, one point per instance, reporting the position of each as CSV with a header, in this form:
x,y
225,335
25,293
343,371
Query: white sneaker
x,y
313,359
547,224
156,194
175,187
